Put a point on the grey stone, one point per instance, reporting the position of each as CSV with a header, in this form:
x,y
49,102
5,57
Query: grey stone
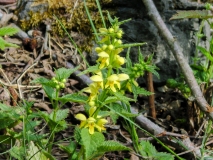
x,y
142,29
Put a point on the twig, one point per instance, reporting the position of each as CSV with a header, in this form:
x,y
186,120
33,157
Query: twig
x,y
151,98
181,60
19,80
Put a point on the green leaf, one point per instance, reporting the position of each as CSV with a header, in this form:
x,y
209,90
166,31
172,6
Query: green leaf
x,y
8,116
2,43
6,139
69,149
129,61
60,115
64,73
7,44
163,156
17,152
127,114
148,148
143,92
51,93
91,142
109,146
130,45
206,53
73,98
92,69
115,108
41,80
55,126
110,99
34,153
123,98
8,31
77,135
202,14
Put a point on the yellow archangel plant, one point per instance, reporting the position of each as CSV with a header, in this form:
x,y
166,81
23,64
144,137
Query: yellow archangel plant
x,y
105,80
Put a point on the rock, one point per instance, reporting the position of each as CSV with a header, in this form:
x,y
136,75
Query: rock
x,y
142,29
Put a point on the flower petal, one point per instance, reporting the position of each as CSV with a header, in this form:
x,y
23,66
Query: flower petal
x,y
96,78
81,117
123,77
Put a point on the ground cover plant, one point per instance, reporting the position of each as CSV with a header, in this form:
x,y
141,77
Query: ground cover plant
x,y
55,130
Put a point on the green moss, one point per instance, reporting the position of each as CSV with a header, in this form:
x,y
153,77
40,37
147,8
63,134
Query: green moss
x,y
72,16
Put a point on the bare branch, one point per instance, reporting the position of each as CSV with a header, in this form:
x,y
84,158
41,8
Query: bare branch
x,y
181,60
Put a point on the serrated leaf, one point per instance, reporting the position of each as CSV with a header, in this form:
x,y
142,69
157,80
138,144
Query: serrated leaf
x,y
91,142
109,146
64,73
202,14
17,152
7,44
77,134
127,114
2,43
143,92
51,93
205,52
69,148
148,148
163,156
41,80
54,125
8,31
110,99
8,116
123,98
73,98
92,69
34,153
60,115
115,108
130,45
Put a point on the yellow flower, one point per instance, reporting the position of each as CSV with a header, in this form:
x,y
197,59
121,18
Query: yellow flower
x,y
91,123
119,61
92,110
129,87
98,79
101,123
82,118
114,81
103,59
93,90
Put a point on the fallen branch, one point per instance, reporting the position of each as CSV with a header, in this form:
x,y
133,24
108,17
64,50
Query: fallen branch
x,y
181,60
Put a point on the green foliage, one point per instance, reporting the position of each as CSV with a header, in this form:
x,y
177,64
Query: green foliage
x,y
73,98
95,145
9,116
179,84
34,153
7,31
17,152
204,14
70,150
149,152
56,120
